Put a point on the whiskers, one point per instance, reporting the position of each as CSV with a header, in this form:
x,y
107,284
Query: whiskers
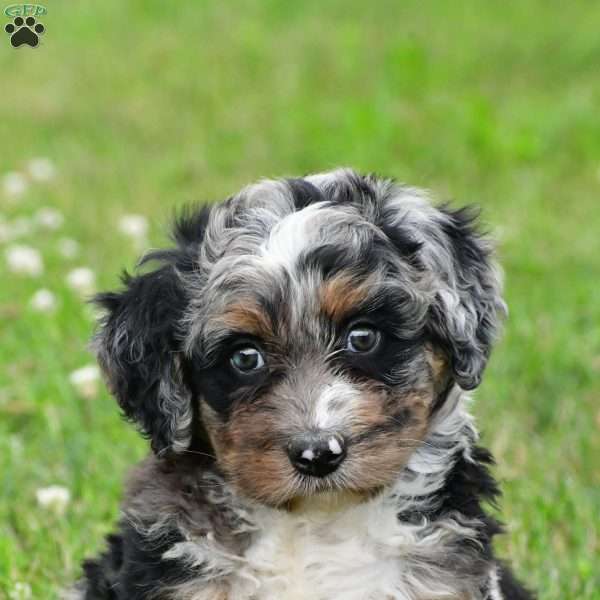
x,y
334,353
412,443
186,451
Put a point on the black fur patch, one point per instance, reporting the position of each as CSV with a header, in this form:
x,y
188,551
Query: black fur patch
x,y
353,188
137,346
190,226
102,574
220,386
510,587
304,193
139,340
132,568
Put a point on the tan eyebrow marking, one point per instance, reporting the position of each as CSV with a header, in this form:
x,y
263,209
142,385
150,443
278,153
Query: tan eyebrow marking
x,y
247,317
342,295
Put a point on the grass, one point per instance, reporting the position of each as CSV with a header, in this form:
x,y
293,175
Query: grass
x,y
146,106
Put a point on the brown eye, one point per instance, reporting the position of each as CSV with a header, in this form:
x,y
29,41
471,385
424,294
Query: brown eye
x,y
362,339
247,360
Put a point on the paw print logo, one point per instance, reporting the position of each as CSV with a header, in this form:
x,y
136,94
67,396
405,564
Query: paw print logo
x,y
24,31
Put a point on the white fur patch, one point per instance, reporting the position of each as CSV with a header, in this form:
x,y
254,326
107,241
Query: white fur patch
x,y
329,178
216,562
495,592
334,404
357,553
291,236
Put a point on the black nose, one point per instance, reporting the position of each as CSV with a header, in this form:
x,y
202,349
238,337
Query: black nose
x,y
316,454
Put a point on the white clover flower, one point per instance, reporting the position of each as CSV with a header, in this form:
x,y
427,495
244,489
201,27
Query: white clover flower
x,y
43,301
25,260
54,498
41,169
85,381
134,226
20,591
68,248
82,280
49,218
14,184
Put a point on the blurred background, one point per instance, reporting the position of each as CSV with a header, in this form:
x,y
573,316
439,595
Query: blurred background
x,y
128,110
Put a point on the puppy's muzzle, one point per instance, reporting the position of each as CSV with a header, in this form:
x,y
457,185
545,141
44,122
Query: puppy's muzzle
x,y
316,454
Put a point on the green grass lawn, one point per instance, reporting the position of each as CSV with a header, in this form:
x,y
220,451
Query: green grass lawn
x,y
146,106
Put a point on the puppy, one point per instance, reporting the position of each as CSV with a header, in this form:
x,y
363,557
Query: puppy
x,y
300,362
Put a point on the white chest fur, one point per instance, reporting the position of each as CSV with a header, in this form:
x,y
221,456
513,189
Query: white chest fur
x,y
361,552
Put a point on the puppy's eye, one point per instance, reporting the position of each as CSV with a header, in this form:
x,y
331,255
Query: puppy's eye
x,y
247,360
362,338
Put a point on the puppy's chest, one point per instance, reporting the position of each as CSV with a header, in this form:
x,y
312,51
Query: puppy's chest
x,y
297,559
307,560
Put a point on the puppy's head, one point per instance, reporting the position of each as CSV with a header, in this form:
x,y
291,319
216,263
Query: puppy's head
x,y
305,330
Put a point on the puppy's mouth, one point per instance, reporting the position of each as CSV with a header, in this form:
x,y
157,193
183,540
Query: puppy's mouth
x,y
327,496
323,493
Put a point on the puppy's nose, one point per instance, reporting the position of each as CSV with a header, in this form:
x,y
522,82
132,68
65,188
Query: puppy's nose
x,y
316,454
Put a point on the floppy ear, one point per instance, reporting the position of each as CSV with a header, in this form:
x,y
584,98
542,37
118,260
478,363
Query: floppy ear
x,y
139,343
138,350
468,308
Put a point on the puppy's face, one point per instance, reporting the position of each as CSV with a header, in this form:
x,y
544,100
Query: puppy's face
x,y
322,378
312,328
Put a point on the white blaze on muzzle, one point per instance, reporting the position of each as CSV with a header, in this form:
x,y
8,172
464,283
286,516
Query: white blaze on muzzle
x,y
333,408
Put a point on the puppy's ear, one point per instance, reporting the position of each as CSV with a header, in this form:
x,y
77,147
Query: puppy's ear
x,y
139,352
467,306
